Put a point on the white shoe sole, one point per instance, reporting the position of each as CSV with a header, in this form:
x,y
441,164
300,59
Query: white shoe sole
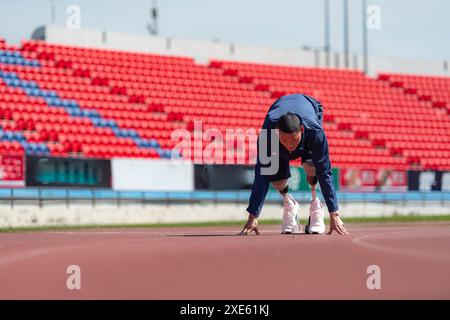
x,y
314,230
294,228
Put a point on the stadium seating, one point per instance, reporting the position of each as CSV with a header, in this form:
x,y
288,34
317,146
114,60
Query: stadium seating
x,y
434,94
369,123
71,101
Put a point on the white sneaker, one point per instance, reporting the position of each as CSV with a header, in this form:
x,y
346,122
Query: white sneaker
x,y
290,216
316,224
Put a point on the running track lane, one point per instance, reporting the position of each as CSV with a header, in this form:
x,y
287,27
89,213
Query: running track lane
x,y
212,263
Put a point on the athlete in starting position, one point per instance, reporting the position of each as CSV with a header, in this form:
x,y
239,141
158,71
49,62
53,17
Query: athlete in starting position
x,y
297,119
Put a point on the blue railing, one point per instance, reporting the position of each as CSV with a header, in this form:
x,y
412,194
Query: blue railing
x,y
43,194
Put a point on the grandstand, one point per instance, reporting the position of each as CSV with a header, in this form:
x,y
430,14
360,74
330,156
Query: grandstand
x,y
63,100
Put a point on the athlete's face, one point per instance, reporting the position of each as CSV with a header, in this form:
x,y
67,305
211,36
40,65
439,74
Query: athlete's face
x,y
291,140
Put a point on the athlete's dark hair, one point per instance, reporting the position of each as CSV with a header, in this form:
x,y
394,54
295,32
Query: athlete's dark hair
x,y
289,123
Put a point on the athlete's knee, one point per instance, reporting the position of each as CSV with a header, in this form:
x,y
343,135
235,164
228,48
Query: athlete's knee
x,y
312,180
280,184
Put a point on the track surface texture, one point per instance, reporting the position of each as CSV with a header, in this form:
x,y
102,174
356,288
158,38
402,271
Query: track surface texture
x,y
212,263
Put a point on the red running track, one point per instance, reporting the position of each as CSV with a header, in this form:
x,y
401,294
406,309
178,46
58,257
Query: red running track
x,y
211,263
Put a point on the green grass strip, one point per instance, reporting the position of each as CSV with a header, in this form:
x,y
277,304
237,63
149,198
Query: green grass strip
x,y
395,218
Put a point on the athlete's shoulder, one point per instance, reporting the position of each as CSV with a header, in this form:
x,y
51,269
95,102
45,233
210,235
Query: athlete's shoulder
x,y
293,96
289,101
314,133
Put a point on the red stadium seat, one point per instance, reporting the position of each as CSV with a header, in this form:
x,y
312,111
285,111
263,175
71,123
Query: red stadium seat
x,y
154,95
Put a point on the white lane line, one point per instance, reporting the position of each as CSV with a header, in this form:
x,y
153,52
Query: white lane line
x,y
363,241
159,233
102,232
9,259
28,254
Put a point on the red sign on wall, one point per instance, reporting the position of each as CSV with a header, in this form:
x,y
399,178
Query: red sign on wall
x,y
12,170
373,180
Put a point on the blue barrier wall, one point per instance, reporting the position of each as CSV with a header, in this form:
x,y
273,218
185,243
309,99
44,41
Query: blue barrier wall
x,y
240,196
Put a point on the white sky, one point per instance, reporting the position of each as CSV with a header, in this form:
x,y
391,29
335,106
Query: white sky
x,y
411,29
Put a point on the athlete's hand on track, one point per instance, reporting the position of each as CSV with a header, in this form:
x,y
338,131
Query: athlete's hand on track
x,y
337,224
250,226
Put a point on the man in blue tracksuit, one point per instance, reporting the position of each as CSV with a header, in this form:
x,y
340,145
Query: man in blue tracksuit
x,y
296,122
